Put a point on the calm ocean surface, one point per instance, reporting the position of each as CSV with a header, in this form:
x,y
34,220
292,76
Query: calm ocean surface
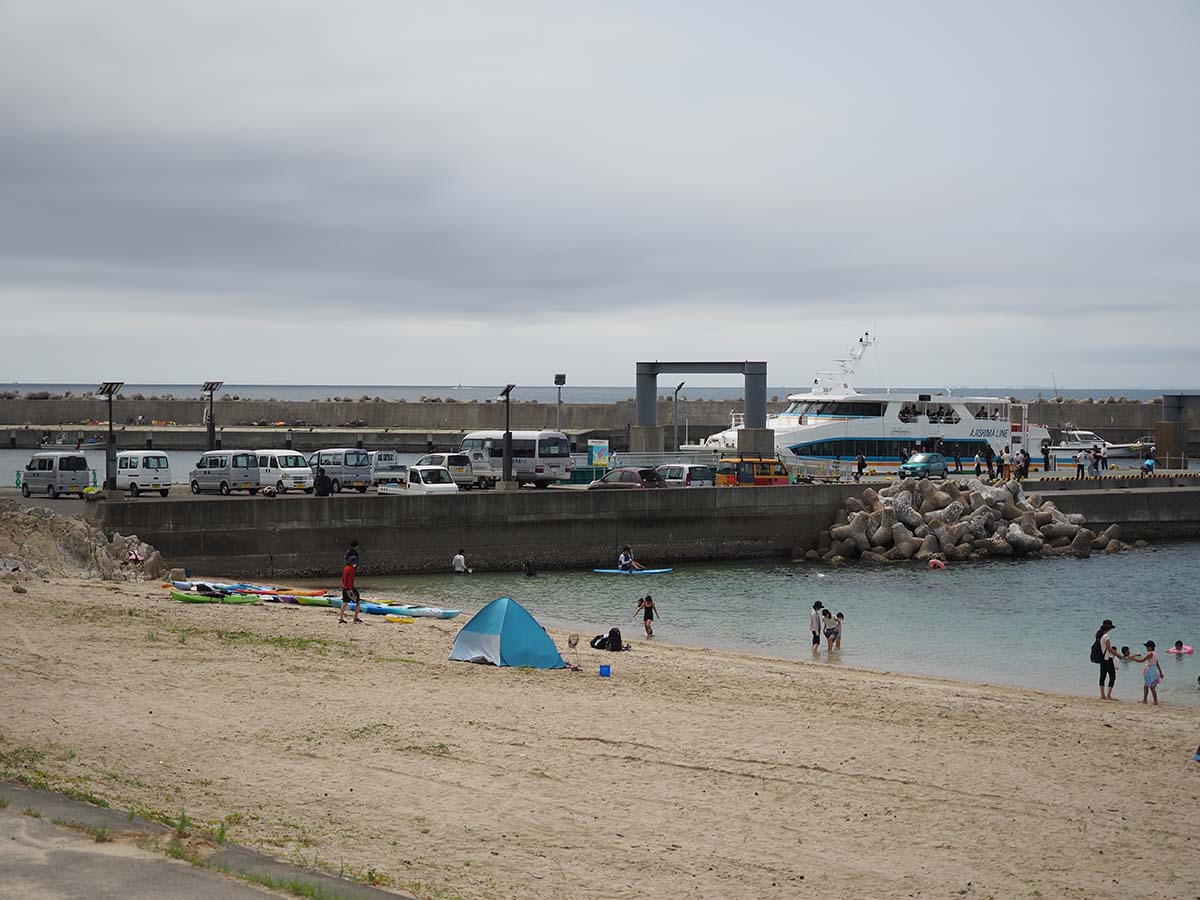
x,y
1024,623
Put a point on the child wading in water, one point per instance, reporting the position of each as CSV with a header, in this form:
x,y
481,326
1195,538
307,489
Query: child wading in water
x,y
830,625
839,624
648,610
1152,674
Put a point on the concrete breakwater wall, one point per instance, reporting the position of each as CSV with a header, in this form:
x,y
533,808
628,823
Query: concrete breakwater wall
x,y
305,537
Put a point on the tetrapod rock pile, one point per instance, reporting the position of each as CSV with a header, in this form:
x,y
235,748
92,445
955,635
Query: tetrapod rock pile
x,y
952,521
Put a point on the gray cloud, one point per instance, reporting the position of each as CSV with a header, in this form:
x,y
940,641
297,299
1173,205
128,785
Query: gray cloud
x,y
594,183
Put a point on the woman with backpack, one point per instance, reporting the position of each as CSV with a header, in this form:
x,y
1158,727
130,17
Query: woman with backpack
x,y
1104,654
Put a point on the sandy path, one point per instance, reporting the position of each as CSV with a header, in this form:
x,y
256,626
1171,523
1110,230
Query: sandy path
x,y
689,773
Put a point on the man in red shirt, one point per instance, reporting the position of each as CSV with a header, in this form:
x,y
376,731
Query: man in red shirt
x,y
349,594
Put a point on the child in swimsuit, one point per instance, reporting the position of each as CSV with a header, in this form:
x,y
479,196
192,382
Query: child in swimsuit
x,y
1152,674
647,608
840,621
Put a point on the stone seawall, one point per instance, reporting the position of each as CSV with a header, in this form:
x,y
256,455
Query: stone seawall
x,y
261,538
306,536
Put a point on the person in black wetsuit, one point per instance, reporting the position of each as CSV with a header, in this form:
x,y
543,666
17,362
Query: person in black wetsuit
x,y
648,610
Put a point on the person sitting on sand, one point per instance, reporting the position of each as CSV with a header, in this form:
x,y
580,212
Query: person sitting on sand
x,y
647,608
626,562
349,594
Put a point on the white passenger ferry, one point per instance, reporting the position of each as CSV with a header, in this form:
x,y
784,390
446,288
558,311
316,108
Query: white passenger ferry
x,y
833,423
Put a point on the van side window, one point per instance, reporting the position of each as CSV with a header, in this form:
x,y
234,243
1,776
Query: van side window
x,y
133,462
264,462
122,463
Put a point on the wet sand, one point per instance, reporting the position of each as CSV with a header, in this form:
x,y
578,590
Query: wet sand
x,y
689,773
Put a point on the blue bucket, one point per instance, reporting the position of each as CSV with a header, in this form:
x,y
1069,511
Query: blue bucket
x,y
605,671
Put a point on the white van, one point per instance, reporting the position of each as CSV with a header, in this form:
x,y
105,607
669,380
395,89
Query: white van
x,y
457,464
347,467
225,471
55,473
143,470
285,469
386,467
423,480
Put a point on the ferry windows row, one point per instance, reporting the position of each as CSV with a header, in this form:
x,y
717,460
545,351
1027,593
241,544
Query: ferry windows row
x,y
854,409
886,449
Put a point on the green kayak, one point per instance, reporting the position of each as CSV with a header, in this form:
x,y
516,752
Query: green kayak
x,y
189,597
318,601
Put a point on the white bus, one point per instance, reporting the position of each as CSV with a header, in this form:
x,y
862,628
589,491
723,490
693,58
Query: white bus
x,y
539,458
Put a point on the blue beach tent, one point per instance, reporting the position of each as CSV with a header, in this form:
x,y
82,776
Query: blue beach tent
x,y
503,633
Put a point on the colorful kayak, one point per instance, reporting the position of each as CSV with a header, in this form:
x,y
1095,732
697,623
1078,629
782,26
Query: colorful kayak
x,y
242,588
632,571
192,597
243,599
403,620
427,612
305,600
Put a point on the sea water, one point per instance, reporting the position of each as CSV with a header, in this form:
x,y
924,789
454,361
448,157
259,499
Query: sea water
x,y
1027,623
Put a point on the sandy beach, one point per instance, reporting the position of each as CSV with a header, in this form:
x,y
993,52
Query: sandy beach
x,y
689,773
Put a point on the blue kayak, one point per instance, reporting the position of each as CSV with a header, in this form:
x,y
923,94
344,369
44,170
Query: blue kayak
x,y
632,571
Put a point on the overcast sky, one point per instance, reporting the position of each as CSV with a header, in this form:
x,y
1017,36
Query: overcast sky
x,y
425,193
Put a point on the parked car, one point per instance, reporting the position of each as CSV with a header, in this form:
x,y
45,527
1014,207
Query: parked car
x,y
285,469
925,465
225,471
687,475
347,467
55,473
143,470
457,464
423,480
628,477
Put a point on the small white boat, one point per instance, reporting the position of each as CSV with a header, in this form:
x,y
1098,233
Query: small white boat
x,y
1073,440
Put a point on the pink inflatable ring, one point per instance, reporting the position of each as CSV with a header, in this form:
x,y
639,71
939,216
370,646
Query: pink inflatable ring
x,y
1186,650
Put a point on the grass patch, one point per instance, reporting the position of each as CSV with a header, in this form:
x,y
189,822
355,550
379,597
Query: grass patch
x,y
182,824
31,812
98,833
396,659
3,803
368,730
152,635
249,638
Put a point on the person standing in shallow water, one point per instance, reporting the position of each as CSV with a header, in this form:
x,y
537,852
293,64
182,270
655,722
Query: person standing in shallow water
x,y
1108,658
648,610
814,624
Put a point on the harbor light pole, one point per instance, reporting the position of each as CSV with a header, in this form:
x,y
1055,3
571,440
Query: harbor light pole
x,y
504,395
110,389
678,388
210,388
559,381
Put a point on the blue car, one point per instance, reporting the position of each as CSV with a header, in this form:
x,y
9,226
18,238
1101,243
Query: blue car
x,y
925,465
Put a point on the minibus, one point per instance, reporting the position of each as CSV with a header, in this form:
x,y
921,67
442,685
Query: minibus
x,y
539,458
286,469
143,470
346,467
54,473
225,471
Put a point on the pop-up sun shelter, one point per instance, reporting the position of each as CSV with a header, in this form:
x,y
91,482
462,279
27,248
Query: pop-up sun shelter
x,y
503,633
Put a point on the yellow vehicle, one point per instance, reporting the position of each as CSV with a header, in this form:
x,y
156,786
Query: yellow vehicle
x,y
750,471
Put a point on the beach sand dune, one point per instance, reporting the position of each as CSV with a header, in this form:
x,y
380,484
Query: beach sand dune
x,y
688,773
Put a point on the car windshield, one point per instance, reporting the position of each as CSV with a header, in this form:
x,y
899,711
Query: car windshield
x,y
292,462
921,458
436,476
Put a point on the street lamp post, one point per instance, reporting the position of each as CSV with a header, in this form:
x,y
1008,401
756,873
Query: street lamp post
x,y
559,381
110,389
678,388
504,395
210,388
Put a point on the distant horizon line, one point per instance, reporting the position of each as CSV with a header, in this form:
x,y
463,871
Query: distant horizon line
x,y
228,385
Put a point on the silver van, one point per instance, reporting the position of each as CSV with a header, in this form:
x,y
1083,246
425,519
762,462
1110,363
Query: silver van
x,y
346,467
225,471
55,473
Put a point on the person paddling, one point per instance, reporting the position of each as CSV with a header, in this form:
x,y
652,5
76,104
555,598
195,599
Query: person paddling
x,y
648,610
